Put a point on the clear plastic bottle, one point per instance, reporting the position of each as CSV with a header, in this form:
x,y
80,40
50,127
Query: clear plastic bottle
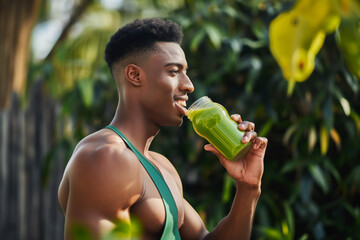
x,y
211,121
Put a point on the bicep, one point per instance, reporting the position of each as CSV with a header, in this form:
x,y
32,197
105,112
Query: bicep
x,y
100,194
90,224
193,226
92,215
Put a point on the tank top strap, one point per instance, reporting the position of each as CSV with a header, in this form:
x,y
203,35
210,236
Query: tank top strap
x,y
171,230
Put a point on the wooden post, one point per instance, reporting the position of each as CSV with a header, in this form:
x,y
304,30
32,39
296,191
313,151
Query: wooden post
x,y
17,18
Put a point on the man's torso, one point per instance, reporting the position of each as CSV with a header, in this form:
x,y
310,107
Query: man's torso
x,y
148,206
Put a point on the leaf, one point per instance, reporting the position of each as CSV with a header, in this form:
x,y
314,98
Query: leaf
x,y
351,80
122,230
214,35
324,140
271,233
345,105
348,38
319,177
230,11
266,128
343,101
126,230
86,87
80,232
253,44
334,171
285,230
197,40
354,176
236,45
290,221
289,132
291,165
312,139
356,119
228,184
304,237
336,138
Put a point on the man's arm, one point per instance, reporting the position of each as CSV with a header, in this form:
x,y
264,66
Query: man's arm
x,y
103,184
247,172
238,223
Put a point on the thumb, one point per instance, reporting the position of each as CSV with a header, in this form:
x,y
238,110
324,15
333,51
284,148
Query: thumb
x,y
212,149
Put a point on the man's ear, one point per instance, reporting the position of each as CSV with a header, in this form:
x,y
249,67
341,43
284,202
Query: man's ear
x,y
133,74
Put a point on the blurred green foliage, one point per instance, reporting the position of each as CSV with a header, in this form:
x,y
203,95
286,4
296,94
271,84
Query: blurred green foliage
x,y
311,183
122,231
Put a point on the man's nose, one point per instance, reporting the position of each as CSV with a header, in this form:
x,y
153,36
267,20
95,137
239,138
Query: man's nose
x,y
186,84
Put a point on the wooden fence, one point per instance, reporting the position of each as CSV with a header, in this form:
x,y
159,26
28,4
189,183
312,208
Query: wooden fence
x,y
28,210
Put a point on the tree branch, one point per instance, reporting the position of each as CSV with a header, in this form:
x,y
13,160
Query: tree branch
x,y
77,13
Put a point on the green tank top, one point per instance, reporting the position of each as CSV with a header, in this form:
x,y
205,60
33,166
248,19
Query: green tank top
x,y
171,230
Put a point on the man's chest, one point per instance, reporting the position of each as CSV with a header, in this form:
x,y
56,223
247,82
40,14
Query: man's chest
x,y
150,207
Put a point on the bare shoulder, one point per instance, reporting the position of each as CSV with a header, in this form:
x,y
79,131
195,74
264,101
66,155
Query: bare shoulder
x,y
103,174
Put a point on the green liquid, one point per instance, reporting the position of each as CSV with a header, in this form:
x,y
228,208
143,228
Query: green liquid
x,y
214,124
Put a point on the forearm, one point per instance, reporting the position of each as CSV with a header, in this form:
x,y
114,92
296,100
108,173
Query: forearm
x,y
238,223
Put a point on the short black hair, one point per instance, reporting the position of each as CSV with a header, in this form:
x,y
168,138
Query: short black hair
x,y
140,36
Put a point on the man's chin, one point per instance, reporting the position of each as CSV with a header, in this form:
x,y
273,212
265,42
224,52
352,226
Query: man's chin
x,y
176,123
181,122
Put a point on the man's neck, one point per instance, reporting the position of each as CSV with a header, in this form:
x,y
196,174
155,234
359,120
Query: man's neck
x,y
136,127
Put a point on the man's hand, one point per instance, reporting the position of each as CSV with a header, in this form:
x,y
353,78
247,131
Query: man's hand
x,y
250,167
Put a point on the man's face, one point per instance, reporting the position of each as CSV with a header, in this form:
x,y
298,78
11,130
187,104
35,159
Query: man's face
x,y
166,84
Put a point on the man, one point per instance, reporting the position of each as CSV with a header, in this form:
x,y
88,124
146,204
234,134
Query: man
x,y
112,174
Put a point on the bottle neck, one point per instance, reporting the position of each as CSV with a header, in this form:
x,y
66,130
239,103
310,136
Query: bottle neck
x,y
197,105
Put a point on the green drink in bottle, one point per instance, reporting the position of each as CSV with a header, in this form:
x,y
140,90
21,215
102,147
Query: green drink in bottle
x,y
211,121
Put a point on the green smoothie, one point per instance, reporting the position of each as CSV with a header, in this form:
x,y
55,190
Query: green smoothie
x,y
212,122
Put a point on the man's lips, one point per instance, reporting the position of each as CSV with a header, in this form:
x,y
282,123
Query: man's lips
x,y
182,109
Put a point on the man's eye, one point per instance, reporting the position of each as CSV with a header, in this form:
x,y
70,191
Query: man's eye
x,y
174,71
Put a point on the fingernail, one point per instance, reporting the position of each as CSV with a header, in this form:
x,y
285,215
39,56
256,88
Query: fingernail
x,y
246,138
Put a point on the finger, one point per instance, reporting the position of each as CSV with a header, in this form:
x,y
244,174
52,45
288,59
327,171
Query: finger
x,y
247,126
260,143
212,149
248,136
264,143
236,118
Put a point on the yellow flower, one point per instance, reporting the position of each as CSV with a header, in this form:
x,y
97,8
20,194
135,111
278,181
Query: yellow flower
x,y
297,36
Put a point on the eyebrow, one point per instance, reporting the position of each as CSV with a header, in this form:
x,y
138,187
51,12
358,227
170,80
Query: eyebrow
x,y
179,65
